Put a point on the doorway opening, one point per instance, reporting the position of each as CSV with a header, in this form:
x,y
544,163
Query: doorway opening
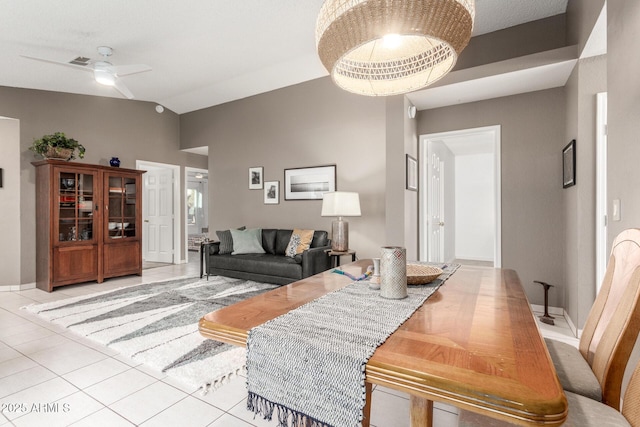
x,y
197,210
460,197
161,243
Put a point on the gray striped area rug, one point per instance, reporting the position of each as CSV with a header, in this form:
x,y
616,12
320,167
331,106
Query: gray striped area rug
x,y
157,325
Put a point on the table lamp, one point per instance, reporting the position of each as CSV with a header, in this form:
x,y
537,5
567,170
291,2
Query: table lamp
x,y
340,203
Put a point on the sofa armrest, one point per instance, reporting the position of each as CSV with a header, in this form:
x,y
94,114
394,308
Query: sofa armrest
x,y
315,260
211,248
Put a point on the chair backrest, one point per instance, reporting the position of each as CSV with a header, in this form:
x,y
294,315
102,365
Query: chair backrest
x,y
614,320
631,404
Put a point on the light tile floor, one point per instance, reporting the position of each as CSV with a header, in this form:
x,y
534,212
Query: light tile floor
x,y
52,377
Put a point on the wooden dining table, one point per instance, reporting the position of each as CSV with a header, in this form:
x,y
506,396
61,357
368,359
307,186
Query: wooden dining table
x,y
473,344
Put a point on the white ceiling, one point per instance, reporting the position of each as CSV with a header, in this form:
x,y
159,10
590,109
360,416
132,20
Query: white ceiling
x,y
202,52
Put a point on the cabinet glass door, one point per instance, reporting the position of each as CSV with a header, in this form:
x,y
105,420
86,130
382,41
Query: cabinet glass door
x,y
121,221
75,206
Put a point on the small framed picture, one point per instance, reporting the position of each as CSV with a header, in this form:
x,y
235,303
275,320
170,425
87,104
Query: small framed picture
x,y
569,164
255,178
309,183
272,192
412,173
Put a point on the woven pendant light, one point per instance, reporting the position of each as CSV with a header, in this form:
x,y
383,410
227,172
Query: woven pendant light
x,y
389,47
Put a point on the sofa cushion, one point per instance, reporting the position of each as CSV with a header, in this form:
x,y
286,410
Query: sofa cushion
x,y
320,238
226,241
266,264
247,241
269,240
299,242
282,241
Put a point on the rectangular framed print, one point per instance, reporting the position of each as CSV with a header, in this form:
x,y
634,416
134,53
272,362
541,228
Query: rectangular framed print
x,y
569,164
309,183
255,178
272,192
412,173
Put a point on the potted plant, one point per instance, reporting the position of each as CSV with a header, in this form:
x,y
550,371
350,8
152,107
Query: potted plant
x,y
57,146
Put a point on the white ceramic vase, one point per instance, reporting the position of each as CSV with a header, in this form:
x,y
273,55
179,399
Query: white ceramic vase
x,y
393,272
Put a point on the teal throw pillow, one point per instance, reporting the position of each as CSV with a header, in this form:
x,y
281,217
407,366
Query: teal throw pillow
x,y
247,241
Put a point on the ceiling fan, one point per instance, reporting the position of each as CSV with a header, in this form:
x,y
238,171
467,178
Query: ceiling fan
x,y
103,71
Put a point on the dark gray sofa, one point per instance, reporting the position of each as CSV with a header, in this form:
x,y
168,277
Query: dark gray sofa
x,y
273,266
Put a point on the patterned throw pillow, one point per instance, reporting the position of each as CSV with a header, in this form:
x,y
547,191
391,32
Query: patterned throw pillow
x,y
299,242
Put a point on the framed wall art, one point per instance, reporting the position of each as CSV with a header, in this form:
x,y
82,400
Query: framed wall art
x,y
412,173
309,183
569,164
255,178
272,192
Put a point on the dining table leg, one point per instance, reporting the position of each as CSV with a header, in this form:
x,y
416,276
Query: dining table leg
x,y
421,412
366,411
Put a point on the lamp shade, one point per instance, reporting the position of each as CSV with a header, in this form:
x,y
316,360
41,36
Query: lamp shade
x,y
390,47
341,203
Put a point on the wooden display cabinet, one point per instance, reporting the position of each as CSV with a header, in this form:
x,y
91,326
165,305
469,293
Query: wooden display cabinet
x,y
88,223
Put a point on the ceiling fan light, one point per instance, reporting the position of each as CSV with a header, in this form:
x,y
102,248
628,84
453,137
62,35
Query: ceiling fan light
x,y
104,77
383,47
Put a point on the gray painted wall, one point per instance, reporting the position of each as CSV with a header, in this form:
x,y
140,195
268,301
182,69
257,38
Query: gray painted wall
x,y
10,203
587,79
309,124
525,39
411,206
533,127
623,89
107,127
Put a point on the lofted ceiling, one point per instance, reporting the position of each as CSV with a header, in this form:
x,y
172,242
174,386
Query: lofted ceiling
x,y
202,53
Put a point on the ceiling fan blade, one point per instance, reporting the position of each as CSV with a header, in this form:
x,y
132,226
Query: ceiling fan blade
x,y
123,89
126,70
78,67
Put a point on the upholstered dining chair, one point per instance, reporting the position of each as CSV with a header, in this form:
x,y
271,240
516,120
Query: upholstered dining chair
x,y
583,412
596,368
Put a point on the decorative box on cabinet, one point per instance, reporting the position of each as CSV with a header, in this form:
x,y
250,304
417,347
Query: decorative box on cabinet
x,y
88,223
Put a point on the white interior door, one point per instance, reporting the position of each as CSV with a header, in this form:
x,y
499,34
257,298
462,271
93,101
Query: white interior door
x,y
438,236
436,210
158,216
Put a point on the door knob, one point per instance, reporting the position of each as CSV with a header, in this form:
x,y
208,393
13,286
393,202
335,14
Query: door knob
x,y
146,220
441,224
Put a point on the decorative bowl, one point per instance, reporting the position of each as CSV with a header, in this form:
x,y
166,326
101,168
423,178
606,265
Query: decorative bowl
x,y
419,274
122,225
112,225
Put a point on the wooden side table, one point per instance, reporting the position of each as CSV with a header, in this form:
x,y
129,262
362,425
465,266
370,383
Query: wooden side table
x,y
335,256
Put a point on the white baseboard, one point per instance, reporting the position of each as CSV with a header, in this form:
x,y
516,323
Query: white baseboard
x,y
12,288
577,332
472,258
558,311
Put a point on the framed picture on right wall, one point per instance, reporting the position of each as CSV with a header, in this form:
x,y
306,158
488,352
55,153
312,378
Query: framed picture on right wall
x,y
569,164
412,173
